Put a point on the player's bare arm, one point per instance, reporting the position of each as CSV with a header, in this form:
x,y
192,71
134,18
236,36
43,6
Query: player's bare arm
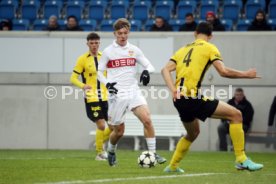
x,y
166,73
232,73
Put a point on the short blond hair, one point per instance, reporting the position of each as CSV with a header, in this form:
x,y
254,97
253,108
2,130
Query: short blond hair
x,y
121,23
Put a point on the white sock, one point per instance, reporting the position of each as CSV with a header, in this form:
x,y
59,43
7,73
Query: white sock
x,y
151,142
111,148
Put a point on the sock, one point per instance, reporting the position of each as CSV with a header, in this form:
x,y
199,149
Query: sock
x,y
151,142
111,148
182,148
237,136
99,141
107,132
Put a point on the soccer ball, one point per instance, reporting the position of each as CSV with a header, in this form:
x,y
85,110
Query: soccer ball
x,y
147,159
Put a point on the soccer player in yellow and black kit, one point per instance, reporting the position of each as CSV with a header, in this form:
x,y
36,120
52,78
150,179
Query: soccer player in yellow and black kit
x,y
95,92
190,63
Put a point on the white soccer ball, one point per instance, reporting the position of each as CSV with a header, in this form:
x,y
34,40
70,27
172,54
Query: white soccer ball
x,y
147,159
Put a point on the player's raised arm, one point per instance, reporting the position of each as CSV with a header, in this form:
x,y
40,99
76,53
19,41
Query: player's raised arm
x,y
233,73
166,73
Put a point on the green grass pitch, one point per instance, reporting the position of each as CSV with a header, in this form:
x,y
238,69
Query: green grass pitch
x,y
79,167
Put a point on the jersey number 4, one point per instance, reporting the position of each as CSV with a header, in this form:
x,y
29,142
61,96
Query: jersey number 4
x,y
187,58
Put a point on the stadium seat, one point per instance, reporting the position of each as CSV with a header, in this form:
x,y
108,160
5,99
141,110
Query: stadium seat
x,y
88,25
176,23
52,7
74,8
231,9
243,24
97,10
118,9
62,23
140,10
272,10
107,25
261,2
164,9
20,24
40,24
251,9
136,25
125,2
228,24
211,5
272,23
8,8
30,9
185,7
148,24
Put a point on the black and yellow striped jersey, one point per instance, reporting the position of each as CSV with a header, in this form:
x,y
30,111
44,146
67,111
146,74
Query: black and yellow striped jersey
x,y
87,67
192,61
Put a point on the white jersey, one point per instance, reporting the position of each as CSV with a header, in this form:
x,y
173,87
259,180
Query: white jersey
x,y
120,64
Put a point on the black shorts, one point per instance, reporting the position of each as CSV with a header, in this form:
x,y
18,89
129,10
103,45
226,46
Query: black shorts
x,y
189,108
97,110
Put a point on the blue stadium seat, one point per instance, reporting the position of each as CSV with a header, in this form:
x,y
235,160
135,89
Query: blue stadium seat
x,y
185,7
118,10
30,9
272,10
20,24
107,25
262,2
88,25
75,8
228,24
136,25
97,10
176,23
40,24
8,8
52,7
211,5
125,2
231,9
141,10
272,23
243,24
62,23
148,24
251,9
164,9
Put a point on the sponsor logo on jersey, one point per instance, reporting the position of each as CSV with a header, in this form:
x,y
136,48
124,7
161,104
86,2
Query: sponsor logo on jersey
x,y
97,108
121,62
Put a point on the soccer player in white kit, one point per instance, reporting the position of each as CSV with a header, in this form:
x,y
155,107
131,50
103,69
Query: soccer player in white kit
x,y
119,59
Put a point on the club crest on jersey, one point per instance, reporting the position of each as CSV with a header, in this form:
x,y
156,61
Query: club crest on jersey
x,y
130,52
96,114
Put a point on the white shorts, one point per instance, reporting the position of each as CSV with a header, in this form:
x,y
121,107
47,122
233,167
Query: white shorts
x,y
117,107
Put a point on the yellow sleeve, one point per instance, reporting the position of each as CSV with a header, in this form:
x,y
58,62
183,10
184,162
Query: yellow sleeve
x,y
175,58
214,54
78,69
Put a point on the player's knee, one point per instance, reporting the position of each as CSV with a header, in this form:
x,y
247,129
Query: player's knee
x,y
147,122
237,116
191,136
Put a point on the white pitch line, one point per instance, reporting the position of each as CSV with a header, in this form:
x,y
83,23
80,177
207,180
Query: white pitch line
x,y
131,179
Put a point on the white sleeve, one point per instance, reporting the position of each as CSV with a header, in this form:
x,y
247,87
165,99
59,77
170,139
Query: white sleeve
x,y
102,67
141,59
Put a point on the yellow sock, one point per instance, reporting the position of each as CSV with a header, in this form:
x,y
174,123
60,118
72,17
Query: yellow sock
x,y
237,136
99,140
107,132
182,148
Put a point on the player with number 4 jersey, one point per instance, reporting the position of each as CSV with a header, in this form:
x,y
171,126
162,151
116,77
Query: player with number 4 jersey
x,y
190,63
